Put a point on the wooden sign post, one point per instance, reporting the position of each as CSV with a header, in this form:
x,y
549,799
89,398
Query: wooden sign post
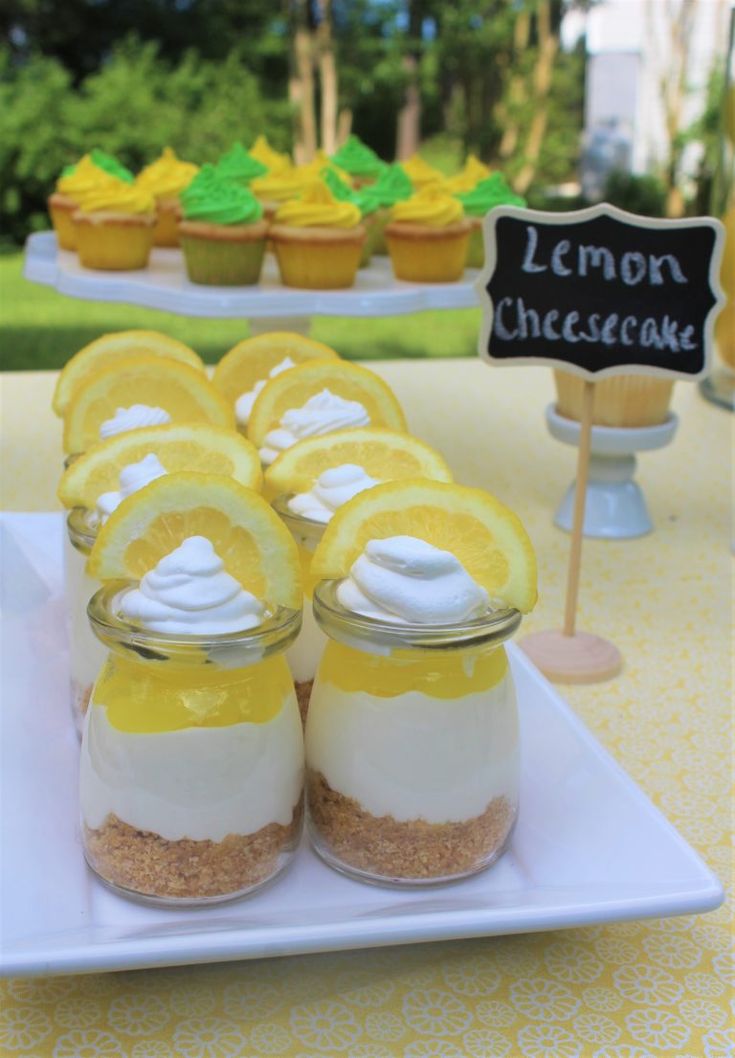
x,y
597,292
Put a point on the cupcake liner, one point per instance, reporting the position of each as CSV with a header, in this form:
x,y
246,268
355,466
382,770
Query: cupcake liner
x,y
166,231
428,255
218,255
318,258
624,400
61,210
115,242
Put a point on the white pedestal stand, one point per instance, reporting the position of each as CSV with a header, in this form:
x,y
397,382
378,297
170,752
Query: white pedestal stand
x,y
615,508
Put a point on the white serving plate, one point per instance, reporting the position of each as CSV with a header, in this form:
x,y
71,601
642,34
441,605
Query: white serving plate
x,y
589,846
163,285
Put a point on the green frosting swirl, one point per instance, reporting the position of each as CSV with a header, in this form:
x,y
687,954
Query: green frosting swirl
x,y
391,186
343,193
104,161
239,165
215,200
110,165
491,192
357,159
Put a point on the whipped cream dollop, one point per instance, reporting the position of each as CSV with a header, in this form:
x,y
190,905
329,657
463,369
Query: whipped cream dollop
x,y
331,489
134,476
190,593
322,413
244,403
408,581
133,418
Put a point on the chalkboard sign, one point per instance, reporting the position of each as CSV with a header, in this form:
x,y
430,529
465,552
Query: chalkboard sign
x,y
599,291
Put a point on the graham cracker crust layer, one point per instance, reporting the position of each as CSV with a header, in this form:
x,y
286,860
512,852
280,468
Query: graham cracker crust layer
x,y
303,696
152,866
382,845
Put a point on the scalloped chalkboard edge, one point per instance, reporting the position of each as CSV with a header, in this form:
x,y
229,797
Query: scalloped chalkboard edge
x,y
577,217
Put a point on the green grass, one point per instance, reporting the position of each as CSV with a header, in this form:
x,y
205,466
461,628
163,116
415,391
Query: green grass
x,y
41,328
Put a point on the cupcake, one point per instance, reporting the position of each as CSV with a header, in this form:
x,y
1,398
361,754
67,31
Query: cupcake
x,y
114,225
471,173
165,179
484,196
359,161
427,237
279,186
420,173
391,186
623,400
273,160
222,231
318,240
75,179
240,166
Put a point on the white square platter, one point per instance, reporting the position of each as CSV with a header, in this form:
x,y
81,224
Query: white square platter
x,y
589,846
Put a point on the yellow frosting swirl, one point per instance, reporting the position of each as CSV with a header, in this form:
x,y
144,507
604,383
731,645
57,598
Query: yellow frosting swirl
x,y
419,172
318,208
468,177
115,196
167,176
282,185
273,160
84,176
433,207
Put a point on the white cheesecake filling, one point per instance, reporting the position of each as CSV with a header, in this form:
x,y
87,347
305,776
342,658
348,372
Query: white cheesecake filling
x,y
413,756
323,413
200,783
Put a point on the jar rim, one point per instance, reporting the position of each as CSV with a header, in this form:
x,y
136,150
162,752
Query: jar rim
x,y
279,629
298,524
81,534
490,628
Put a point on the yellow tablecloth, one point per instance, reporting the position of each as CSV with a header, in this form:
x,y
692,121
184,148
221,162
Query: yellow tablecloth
x,y
633,990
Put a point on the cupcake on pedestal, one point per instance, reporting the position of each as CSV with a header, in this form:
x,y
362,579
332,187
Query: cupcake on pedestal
x,y
368,210
624,400
318,240
114,225
222,231
391,186
75,180
165,179
484,196
427,237
359,160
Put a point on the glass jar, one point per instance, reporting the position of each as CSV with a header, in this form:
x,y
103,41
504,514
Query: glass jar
x,y
304,655
191,774
86,653
412,755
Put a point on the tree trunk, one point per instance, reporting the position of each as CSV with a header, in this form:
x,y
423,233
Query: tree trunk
x,y
673,91
301,81
408,131
327,77
344,125
517,91
543,72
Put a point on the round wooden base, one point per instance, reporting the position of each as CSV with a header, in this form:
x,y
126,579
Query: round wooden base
x,y
581,658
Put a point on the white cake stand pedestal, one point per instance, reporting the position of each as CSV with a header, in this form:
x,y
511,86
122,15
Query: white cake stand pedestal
x,y
616,507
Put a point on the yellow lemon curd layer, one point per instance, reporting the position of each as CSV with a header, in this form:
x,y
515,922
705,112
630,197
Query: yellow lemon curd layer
x,y
262,151
308,580
115,196
318,208
432,207
469,175
167,176
147,697
437,674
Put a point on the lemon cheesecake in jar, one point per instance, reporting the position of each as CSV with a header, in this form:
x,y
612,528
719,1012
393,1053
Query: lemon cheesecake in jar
x,y
192,754
315,478
412,747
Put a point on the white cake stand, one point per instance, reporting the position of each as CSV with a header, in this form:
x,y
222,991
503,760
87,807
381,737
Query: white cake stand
x,y
616,507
